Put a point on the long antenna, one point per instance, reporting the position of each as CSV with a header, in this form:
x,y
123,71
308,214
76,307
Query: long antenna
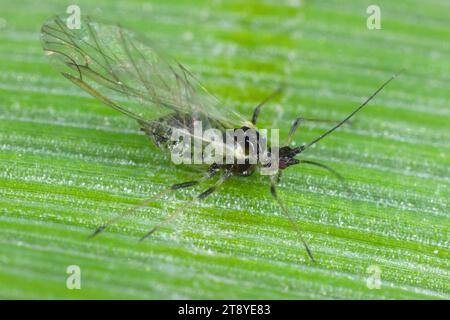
x,y
353,113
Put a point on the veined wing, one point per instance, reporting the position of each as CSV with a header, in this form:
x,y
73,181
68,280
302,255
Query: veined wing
x,y
127,73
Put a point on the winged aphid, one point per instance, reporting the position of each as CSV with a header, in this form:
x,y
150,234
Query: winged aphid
x,y
127,73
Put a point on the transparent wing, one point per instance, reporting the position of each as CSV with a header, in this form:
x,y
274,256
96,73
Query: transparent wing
x,y
126,72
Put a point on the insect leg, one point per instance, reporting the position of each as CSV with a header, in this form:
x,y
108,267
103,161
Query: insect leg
x,y
225,176
258,107
212,170
273,191
294,127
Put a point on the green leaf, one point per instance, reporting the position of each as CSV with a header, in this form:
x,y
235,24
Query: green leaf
x,y
68,163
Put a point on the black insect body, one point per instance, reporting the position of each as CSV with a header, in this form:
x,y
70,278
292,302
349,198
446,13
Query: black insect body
x,y
128,74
